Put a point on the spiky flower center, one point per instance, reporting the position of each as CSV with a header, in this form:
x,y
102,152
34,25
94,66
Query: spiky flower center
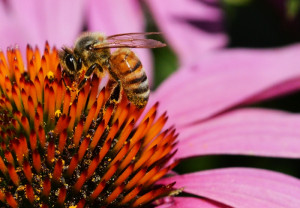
x,y
63,148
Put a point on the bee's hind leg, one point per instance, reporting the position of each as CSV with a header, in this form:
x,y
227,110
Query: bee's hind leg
x,y
88,73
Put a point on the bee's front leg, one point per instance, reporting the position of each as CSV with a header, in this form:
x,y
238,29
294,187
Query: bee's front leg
x,y
88,73
63,77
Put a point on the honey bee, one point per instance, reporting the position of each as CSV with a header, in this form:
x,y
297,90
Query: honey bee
x,y
92,50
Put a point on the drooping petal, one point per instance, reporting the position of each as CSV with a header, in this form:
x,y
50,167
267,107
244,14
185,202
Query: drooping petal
x,y
190,202
114,17
35,21
242,187
191,27
226,79
245,131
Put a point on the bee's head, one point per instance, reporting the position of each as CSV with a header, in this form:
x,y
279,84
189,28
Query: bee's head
x,y
70,63
85,48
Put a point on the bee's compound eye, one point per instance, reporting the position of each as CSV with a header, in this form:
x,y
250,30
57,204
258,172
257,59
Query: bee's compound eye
x,y
70,62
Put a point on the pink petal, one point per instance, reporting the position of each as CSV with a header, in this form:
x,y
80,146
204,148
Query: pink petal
x,y
36,21
228,78
242,187
119,17
191,27
247,132
190,202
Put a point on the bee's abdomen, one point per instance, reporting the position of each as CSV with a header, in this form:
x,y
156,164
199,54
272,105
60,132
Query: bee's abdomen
x,y
129,69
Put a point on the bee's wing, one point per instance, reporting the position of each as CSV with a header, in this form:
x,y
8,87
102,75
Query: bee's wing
x,y
130,40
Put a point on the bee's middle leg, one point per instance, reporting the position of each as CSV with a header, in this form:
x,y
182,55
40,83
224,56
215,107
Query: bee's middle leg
x,y
88,73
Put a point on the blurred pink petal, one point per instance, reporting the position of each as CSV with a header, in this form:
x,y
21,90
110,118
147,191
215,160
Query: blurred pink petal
x,y
192,28
190,202
36,21
114,17
242,187
246,132
226,79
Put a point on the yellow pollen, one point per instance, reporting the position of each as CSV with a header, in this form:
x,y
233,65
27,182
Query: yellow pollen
x,y
50,75
57,113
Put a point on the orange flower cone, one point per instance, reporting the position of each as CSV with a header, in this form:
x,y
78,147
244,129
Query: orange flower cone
x,y
64,148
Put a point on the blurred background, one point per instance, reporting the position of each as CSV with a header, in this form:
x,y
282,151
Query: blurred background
x,y
250,24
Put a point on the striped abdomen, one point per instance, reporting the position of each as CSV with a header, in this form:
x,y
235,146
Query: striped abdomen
x,y
127,67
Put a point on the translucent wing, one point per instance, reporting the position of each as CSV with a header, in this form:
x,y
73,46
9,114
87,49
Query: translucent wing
x,y
130,40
